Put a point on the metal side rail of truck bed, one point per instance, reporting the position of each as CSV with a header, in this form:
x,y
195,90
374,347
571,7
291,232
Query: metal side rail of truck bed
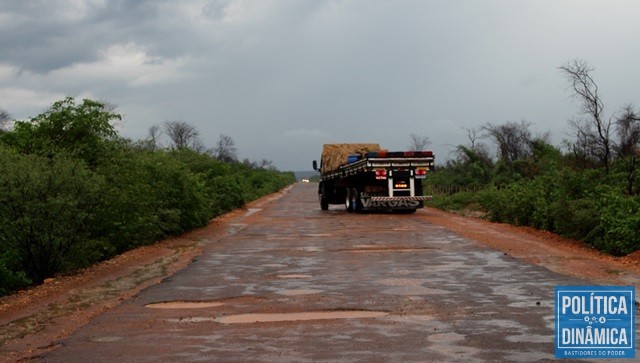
x,y
371,164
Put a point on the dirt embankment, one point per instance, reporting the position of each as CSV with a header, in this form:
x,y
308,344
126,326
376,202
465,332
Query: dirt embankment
x,y
562,255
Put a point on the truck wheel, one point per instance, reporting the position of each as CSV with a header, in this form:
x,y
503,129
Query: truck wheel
x,y
355,200
348,201
324,204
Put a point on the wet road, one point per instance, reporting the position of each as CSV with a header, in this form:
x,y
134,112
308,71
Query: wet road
x,y
293,283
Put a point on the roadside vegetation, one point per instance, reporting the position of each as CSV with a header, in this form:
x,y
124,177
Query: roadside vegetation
x,y
586,189
74,192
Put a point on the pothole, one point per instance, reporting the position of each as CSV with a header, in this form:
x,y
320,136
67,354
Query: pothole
x,y
184,304
251,211
192,320
294,276
306,316
374,248
295,292
234,228
445,337
107,339
310,249
401,282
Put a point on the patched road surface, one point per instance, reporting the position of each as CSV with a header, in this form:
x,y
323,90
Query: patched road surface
x,y
293,283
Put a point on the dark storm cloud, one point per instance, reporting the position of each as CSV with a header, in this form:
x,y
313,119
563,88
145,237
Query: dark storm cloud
x,y
284,76
41,36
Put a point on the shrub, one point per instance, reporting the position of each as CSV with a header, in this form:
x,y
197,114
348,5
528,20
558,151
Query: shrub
x,y
577,218
12,276
454,202
46,209
619,220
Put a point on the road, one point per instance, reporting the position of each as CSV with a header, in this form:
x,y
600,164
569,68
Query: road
x,y
289,282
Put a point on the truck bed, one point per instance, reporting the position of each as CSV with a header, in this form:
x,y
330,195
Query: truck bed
x,y
391,160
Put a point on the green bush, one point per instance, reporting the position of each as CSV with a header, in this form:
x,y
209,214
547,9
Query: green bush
x,y
226,193
619,221
72,192
46,210
578,218
12,275
513,204
454,202
134,210
81,131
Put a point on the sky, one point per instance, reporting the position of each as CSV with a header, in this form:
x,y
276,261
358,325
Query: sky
x,y
283,77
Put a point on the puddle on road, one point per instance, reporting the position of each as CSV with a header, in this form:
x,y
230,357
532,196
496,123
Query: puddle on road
x,y
296,292
184,304
374,248
200,304
111,339
192,320
294,276
310,249
285,317
445,337
234,228
401,282
251,211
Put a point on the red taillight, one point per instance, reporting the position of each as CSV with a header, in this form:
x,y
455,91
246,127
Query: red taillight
x,y
421,173
381,174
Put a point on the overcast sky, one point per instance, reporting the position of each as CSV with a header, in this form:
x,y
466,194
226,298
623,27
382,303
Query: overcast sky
x,y
282,77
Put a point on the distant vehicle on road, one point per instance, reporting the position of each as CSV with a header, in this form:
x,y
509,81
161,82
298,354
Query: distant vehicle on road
x,y
365,177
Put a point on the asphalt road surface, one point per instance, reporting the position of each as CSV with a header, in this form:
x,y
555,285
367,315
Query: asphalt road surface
x,y
293,283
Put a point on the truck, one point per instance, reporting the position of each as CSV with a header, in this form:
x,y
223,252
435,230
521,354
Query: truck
x,y
365,177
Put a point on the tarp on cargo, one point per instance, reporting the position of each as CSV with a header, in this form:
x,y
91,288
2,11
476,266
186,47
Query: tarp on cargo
x,y
334,155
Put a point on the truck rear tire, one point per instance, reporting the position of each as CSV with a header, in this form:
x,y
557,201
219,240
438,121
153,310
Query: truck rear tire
x,y
355,200
324,201
348,201
324,204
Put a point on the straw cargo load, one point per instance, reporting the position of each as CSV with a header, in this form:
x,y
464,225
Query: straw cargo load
x,y
335,155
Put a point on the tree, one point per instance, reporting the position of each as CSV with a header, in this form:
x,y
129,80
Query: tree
x,y
5,121
628,148
628,130
82,130
154,135
419,143
593,132
266,164
512,140
584,147
225,149
473,135
183,135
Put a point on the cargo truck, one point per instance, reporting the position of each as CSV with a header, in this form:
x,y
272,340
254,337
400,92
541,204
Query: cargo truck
x,y
365,177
